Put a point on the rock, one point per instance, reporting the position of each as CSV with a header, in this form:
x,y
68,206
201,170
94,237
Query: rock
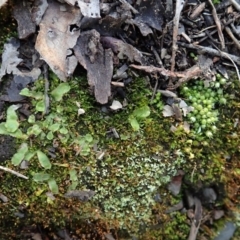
x,y
7,147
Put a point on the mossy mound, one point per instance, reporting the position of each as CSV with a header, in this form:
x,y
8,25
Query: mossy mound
x,y
126,170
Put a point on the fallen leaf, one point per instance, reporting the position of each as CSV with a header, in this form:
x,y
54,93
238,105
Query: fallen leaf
x,y
122,49
55,37
98,63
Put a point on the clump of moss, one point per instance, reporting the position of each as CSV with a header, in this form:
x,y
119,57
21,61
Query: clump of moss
x,y
125,172
204,97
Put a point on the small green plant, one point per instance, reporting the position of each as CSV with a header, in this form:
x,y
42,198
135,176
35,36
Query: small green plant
x,y
137,116
157,102
204,100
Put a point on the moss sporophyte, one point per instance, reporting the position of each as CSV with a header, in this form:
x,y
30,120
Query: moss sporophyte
x,y
63,149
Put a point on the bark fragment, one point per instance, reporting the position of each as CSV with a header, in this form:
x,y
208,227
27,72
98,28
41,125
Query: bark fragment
x,y
98,63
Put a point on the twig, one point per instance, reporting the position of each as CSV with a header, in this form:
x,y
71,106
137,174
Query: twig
x,y
236,68
197,11
212,52
179,7
154,90
13,172
159,61
235,4
196,221
218,23
229,32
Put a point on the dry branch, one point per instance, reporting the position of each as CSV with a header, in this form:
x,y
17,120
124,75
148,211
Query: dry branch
x,y
13,172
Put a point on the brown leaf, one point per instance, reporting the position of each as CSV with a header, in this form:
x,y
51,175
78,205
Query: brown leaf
x,y
55,37
98,63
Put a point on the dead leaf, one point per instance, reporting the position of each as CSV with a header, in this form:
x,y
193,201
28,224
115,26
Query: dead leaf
x,y
186,127
176,182
90,8
22,14
55,38
122,49
38,10
151,13
10,61
3,198
177,112
98,63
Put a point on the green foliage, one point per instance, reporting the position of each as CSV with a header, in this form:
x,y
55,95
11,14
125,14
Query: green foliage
x,y
43,160
138,115
12,119
59,91
157,102
204,98
131,169
18,157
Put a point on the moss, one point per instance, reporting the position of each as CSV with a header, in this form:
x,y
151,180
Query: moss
x,y
133,169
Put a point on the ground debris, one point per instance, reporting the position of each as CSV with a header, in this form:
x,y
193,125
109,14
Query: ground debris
x,y
98,63
80,195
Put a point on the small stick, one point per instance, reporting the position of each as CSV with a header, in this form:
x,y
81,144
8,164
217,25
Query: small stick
x,y
235,4
13,172
179,7
229,32
135,11
218,23
212,52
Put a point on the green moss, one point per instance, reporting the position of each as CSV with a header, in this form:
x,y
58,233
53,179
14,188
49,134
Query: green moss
x,y
132,170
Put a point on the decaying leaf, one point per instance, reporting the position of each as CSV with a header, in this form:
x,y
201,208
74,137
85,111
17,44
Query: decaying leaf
x,y
83,196
10,61
122,49
151,13
98,63
22,14
56,37
177,112
186,127
176,182
90,8
38,10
